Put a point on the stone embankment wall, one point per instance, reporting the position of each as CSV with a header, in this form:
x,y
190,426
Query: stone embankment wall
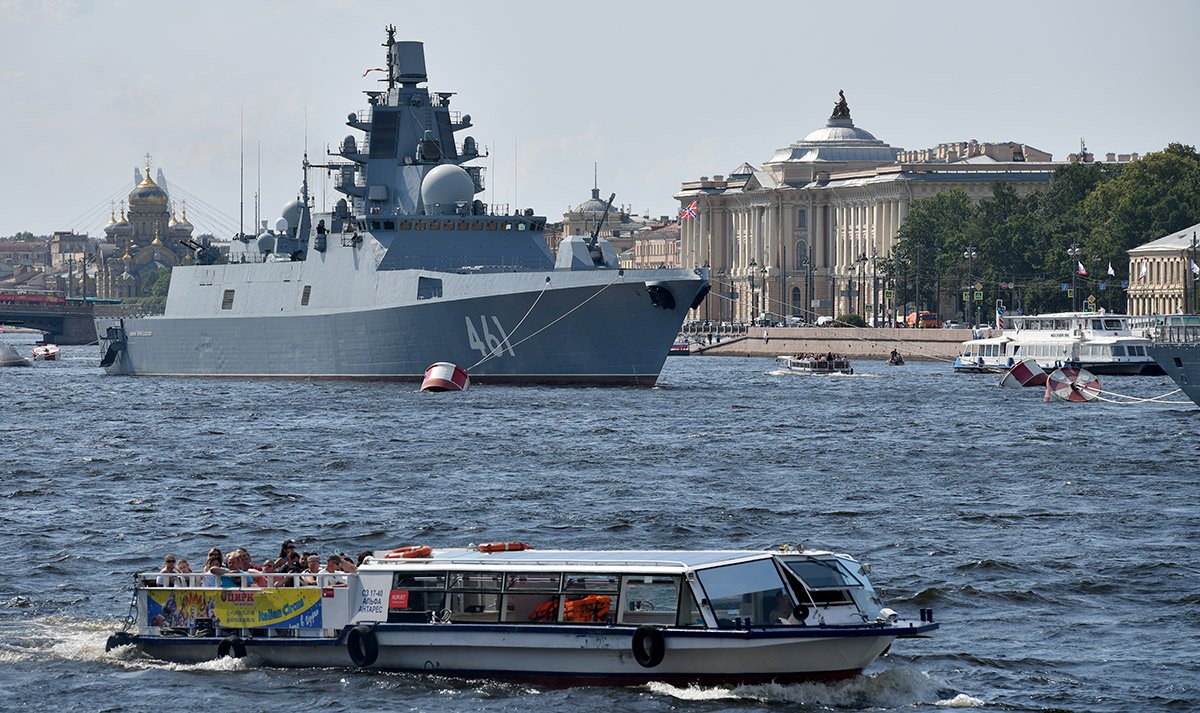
x,y
938,344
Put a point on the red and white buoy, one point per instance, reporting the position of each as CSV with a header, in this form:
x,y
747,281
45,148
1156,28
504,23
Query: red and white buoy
x,y
1024,373
1069,384
444,376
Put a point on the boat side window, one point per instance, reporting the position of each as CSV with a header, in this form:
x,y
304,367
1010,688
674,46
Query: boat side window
x,y
1118,350
428,288
522,226
827,583
491,225
1137,350
1113,324
435,225
420,225
508,225
389,225
476,225
305,295
375,225
227,300
464,225
448,225
589,598
1062,324
475,596
649,599
531,597
413,596
1097,324
742,594
406,225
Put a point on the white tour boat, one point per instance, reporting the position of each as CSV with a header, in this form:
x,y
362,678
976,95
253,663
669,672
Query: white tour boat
x,y
554,617
817,364
1098,342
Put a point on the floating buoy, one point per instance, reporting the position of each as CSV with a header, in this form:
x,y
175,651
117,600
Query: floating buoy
x,y
1069,384
1024,373
444,376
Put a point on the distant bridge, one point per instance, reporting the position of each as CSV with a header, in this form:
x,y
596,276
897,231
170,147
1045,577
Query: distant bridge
x,y
60,324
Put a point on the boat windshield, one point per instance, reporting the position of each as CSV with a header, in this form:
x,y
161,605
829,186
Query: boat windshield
x,y
744,594
827,582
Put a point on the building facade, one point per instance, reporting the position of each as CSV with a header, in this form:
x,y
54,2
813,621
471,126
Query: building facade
x,y
806,233
1161,277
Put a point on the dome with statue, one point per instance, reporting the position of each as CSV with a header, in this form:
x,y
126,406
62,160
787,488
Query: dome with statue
x,y
838,141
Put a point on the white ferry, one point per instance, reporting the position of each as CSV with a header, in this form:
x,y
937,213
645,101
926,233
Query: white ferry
x,y
552,617
1098,342
818,364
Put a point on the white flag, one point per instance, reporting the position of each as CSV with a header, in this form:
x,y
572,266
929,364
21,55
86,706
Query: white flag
x,y
1195,268
1110,270
1142,271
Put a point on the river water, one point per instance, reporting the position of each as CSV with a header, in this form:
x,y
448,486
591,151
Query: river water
x,y
1057,543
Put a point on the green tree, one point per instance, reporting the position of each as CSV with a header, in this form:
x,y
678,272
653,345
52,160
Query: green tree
x,y
935,230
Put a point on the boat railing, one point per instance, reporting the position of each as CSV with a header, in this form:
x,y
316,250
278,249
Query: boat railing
x,y
1183,332
243,580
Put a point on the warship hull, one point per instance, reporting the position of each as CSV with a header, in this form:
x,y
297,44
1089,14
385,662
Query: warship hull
x,y
1181,362
598,333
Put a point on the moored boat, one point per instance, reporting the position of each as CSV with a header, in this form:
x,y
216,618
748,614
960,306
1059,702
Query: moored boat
x,y
680,349
407,269
1098,342
815,364
556,617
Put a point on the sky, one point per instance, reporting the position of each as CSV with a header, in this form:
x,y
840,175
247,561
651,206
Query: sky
x,y
228,96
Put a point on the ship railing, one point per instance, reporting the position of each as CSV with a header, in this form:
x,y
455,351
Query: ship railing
x,y
1178,331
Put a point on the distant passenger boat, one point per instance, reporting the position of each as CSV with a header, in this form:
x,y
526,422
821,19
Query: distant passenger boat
x,y
680,349
827,364
1098,342
504,610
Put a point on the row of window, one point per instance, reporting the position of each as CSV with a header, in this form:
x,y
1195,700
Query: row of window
x,y
407,224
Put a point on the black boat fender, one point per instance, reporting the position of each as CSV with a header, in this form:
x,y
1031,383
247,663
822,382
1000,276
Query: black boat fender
x,y
362,645
649,645
121,638
231,645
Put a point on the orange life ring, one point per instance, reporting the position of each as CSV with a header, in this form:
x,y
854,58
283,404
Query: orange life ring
x,y
490,547
409,552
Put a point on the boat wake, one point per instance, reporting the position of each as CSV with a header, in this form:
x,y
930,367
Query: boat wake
x,y
900,687
83,640
832,375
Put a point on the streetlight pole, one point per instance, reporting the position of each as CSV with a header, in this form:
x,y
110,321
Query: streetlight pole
x,y
1074,251
753,294
875,304
970,254
765,305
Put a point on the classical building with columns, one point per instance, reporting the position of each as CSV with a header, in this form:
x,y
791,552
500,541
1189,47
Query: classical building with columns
x,y
1161,279
805,234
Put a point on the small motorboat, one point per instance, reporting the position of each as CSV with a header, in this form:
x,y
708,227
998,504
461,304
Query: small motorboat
x,y
10,357
819,364
680,349
895,359
45,352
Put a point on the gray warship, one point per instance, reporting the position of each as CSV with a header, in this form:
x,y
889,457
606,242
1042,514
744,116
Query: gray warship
x,y
408,268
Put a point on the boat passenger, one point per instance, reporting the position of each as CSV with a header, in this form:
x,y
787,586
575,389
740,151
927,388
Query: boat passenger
x,y
284,550
333,567
782,613
166,576
311,571
212,568
293,564
184,569
270,579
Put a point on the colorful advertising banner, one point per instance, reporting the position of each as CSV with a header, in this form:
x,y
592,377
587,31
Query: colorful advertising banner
x,y
233,608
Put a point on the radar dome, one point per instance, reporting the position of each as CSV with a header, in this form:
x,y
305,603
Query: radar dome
x,y
281,225
445,188
291,213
